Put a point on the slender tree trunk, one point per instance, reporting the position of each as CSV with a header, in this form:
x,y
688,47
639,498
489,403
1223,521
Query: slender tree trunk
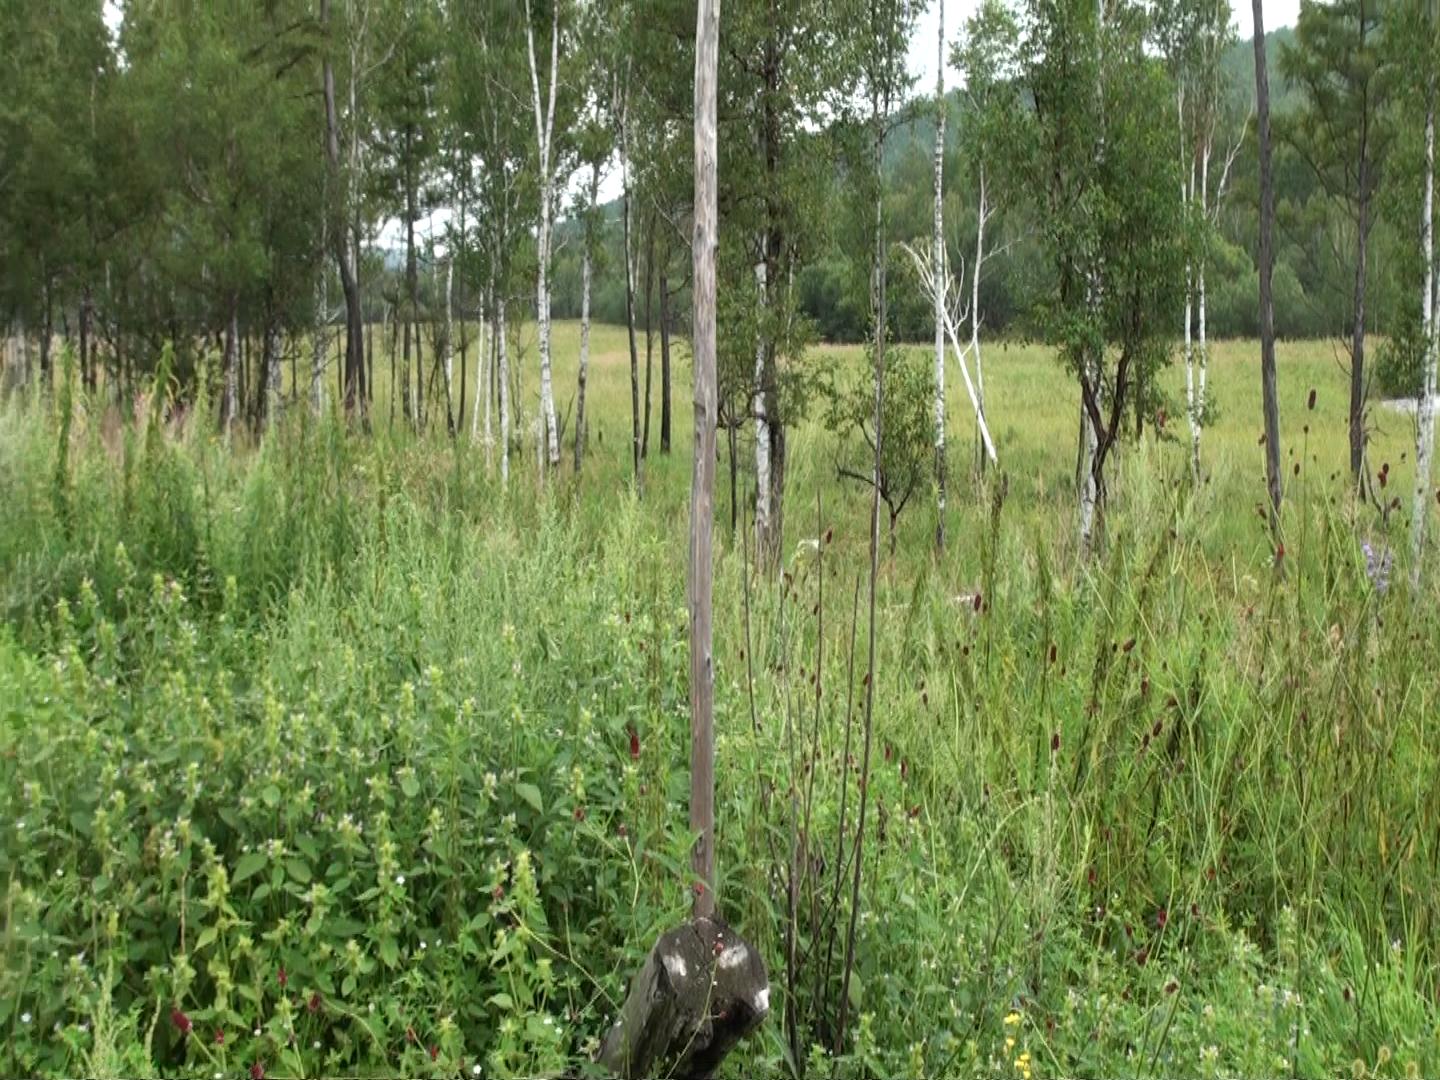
x,y
1425,408
317,342
1202,344
985,446
274,398
877,287
581,434
1357,331
230,394
87,315
1270,404
1187,182
649,332
630,295
544,134
664,360
503,377
447,354
763,484
355,401
938,241
702,487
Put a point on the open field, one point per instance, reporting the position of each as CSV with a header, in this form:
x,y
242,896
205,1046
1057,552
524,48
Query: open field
x,y
328,756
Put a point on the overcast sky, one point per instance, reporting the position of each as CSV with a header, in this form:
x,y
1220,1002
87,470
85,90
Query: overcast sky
x,y
1278,13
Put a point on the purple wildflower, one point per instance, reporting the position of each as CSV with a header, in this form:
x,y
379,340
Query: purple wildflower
x,y
1377,567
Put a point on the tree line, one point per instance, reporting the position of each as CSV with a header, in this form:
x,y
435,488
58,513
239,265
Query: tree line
x,y
313,185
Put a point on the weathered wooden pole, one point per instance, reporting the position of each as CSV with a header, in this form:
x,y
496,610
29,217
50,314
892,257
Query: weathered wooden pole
x,y
702,988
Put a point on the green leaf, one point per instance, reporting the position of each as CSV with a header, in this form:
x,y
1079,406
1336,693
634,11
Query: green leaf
x,y
248,866
270,795
531,794
389,952
299,870
856,991
409,785
502,1002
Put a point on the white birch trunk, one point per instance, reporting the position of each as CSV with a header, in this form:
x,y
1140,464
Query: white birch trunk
x,y
580,433
1202,348
503,377
544,135
318,342
1425,427
449,343
1187,180
274,400
983,217
938,241
762,420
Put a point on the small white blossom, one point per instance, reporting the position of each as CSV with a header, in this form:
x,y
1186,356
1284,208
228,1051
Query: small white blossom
x,y
25,1018
399,879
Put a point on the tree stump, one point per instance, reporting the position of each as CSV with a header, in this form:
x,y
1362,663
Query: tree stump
x,y
702,989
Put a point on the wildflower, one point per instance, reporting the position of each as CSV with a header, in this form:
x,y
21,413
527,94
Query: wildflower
x,y
257,1071
1377,567
282,978
1310,401
634,745
219,1036
1161,918
314,1003
1384,1055
474,1070
25,1018
181,1021
1055,743
1012,1019
434,1051
399,879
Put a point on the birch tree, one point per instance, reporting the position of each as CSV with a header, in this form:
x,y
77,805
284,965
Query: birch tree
x,y
937,241
987,59
548,165
1102,153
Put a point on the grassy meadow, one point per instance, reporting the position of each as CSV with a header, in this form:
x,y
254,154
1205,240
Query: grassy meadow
x,y
327,755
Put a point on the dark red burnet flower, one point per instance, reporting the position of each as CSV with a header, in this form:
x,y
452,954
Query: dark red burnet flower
x,y
282,978
219,1036
257,1071
1310,401
579,813
434,1051
314,1003
634,745
181,1021
1161,918
1055,743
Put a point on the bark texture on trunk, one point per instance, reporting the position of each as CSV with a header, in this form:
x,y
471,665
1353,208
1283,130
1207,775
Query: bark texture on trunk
x,y
503,378
763,527
1269,400
664,361
938,241
545,138
585,272
355,401
230,366
1425,417
702,485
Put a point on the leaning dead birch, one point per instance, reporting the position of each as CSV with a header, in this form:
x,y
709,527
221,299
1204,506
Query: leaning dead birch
x,y
938,285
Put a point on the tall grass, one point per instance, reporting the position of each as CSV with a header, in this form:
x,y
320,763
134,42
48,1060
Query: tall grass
x,y
340,707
